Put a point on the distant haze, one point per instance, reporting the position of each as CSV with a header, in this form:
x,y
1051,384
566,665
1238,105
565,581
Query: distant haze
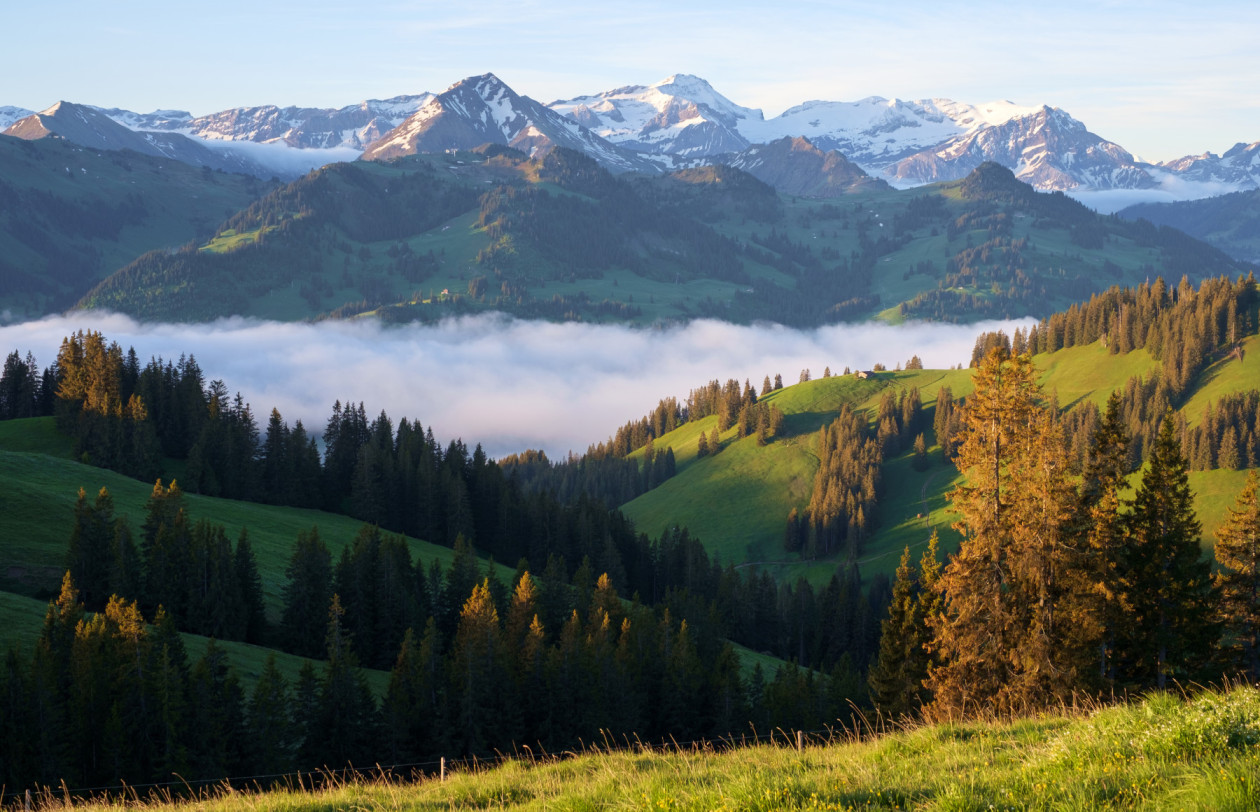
x,y
507,384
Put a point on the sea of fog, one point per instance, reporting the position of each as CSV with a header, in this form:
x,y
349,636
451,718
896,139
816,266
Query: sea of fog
x,y
505,383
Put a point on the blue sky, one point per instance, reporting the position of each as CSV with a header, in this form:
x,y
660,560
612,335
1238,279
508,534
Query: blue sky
x,y
1162,79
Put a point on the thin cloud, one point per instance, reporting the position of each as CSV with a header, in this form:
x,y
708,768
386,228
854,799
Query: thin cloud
x,y
504,383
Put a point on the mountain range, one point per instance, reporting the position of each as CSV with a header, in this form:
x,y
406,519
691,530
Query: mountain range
x,y
678,122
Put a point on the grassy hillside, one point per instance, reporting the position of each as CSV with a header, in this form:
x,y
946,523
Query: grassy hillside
x,y
38,488
737,501
557,238
1164,752
76,215
38,493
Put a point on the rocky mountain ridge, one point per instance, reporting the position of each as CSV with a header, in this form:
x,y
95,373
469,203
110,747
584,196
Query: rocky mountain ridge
x,y
683,121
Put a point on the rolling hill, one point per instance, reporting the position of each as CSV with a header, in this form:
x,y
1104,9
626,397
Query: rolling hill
x,y
557,237
737,501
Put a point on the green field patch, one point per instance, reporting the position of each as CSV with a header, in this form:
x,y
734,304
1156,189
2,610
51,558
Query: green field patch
x,y
1229,375
1090,372
736,501
230,239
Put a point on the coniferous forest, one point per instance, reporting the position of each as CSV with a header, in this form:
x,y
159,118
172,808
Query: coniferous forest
x,y
1077,571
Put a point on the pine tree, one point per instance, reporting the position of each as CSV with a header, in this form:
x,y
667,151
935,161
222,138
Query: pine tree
x,y
217,716
1169,632
1103,481
1238,581
88,557
249,585
347,712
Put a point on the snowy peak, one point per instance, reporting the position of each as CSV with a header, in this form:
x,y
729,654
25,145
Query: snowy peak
x,y
1047,149
9,115
483,109
1239,167
89,127
352,127
681,116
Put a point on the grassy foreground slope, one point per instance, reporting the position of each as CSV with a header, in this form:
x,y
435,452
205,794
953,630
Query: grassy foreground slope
x,y
1161,753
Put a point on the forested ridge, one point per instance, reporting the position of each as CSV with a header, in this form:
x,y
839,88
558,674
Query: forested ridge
x,y
558,237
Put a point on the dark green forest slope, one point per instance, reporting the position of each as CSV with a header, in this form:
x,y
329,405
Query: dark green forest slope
x,y
1230,222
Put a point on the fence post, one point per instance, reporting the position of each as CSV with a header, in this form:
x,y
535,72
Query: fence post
x,y
800,740
443,768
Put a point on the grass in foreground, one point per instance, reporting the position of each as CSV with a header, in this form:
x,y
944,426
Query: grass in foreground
x,y
1160,753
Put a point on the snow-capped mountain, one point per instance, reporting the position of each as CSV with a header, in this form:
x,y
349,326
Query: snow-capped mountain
x,y
353,126
482,109
682,116
1047,149
1239,166
876,132
10,115
679,121
912,142
88,127
794,166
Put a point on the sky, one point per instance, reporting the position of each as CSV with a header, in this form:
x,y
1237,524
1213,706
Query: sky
x,y
1162,79
508,385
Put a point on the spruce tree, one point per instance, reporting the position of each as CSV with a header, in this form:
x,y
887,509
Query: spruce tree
x,y
306,595
1170,631
894,685
477,664
1238,582
1103,529
270,742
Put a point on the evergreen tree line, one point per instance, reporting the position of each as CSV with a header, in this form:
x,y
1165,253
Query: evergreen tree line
x,y
24,390
106,698
1063,585
210,586
189,569
384,594
842,505
1184,328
